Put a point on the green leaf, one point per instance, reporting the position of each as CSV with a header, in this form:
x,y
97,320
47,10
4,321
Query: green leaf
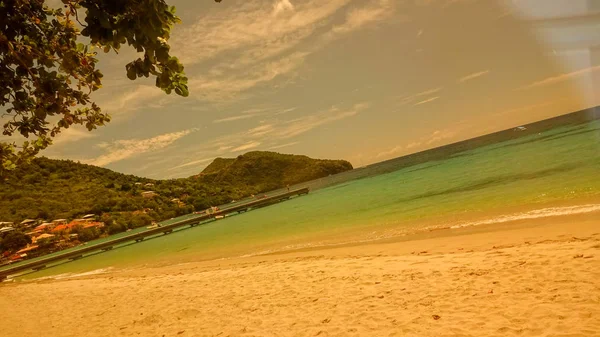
x,y
162,54
131,73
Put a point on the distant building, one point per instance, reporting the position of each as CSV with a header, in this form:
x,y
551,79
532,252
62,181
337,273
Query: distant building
x,y
28,223
89,216
59,228
6,229
6,224
84,223
43,237
149,194
23,251
60,221
148,185
46,226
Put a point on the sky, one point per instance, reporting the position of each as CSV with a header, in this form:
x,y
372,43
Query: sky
x,y
363,81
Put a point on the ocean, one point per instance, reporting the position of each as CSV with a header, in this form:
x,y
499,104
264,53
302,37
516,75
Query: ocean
x,y
544,172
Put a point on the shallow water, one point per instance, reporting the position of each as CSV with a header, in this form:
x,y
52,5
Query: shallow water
x,y
552,173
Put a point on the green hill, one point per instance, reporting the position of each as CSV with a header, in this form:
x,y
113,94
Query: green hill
x,y
51,189
217,165
265,171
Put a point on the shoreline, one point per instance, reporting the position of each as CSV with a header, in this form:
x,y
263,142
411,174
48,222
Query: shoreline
x,y
425,233
534,278
477,238
437,230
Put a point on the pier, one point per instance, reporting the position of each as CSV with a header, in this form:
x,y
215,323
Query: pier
x,y
164,227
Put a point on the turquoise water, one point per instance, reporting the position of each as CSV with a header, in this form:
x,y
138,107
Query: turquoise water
x,y
551,173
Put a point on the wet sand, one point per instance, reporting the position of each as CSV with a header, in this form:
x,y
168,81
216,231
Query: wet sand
x,y
528,279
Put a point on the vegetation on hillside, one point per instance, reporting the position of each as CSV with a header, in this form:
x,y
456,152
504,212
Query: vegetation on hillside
x,y
51,189
260,171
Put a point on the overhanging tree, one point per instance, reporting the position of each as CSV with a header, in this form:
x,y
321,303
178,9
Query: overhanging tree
x,y
48,64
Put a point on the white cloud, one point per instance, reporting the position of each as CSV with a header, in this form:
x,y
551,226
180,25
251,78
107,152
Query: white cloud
x,y
246,146
224,148
388,153
261,130
302,125
435,138
254,44
251,27
232,118
229,87
426,101
359,17
273,133
284,111
195,162
560,78
472,76
131,100
403,100
283,145
72,134
127,148
440,135
282,6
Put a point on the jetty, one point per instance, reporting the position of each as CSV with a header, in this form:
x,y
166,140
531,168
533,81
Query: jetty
x,y
165,227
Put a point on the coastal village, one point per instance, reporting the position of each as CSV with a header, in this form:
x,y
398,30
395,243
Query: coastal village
x,y
53,205
46,236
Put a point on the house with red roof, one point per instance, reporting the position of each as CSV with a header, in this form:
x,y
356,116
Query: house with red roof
x,y
46,226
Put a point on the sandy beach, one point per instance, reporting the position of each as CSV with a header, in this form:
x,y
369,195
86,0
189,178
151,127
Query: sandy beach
x,y
524,280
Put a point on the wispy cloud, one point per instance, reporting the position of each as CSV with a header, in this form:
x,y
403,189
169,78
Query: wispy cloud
x,y
254,27
284,111
261,130
273,133
427,100
282,6
435,138
283,145
439,135
127,148
403,100
360,17
71,135
192,163
233,118
304,124
254,44
390,152
229,87
120,105
472,76
247,146
560,78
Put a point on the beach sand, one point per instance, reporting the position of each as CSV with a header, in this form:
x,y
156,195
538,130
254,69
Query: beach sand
x,y
539,279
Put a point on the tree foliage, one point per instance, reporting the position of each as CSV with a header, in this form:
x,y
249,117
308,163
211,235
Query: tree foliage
x,y
48,63
14,241
65,189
